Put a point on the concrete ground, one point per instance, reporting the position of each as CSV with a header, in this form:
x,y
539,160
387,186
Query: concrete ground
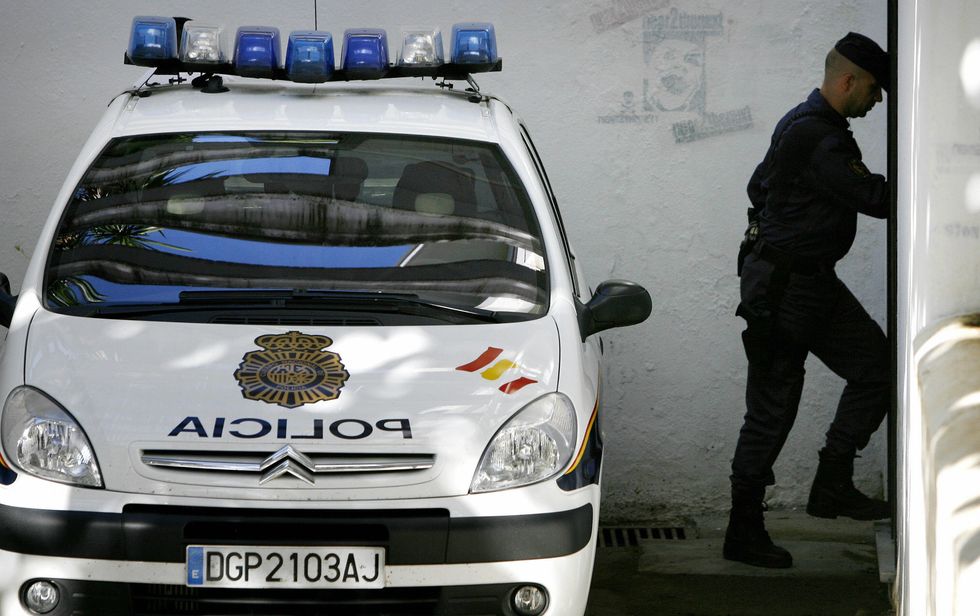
x,y
834,573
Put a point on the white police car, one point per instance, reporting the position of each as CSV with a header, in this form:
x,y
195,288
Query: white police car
x,y
298,346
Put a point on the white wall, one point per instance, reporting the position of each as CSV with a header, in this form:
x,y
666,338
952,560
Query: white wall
x,y
649,194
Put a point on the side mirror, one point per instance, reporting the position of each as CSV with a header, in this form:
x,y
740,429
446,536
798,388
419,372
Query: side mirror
x,y
616,303
7,301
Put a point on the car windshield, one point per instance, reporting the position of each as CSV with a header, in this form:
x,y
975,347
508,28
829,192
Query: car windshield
x,y
159,219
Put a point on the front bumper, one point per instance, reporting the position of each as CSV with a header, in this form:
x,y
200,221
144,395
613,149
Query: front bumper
x,y
153,533
85,597
133,562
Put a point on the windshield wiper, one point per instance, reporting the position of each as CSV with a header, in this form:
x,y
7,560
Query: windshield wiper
x,y
266,299
369,301
284,296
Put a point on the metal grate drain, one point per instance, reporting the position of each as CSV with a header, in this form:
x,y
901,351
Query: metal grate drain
x,y
631,536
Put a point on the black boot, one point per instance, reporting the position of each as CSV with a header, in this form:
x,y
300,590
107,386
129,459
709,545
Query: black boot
x,y
833,493
747,541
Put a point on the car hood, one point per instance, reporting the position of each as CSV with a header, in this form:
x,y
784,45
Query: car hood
x,y
251,411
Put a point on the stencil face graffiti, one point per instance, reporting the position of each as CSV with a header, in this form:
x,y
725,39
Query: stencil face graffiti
x,y
674,77
675,54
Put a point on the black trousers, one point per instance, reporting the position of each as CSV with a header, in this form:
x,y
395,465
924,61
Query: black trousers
x,y
806,314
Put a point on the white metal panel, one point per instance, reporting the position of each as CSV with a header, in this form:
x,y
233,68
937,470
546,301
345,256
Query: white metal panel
x,y
941,147
939,270
131,384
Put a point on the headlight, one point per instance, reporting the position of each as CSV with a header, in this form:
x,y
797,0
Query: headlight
x,y
535,444
44,440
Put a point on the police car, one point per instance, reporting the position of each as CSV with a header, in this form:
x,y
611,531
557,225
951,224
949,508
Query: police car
x,y
303,339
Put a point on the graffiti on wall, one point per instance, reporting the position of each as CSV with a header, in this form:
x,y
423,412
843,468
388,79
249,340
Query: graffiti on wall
x,y
673,86
622,12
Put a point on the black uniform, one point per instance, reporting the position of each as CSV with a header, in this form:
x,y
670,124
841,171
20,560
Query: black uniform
x,y
807,192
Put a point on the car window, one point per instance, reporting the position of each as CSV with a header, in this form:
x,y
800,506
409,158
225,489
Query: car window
x,y
156,217
543,175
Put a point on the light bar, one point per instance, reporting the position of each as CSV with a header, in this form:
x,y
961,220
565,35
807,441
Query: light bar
x,y
201,44
309,56
474,43
257,51
175,45
152,40
421,47
365,51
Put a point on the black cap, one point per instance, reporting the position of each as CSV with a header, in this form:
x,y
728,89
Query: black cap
x,y
866,53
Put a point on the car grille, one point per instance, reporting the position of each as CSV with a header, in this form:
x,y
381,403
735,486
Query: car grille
x,y
409,536
120,599
154,599
266,466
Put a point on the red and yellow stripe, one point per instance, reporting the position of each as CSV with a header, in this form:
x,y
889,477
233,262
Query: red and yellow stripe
x,y
585,441
482,361
496,371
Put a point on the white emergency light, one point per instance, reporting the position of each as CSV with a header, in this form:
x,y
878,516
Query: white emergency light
x,y
201,44
421,47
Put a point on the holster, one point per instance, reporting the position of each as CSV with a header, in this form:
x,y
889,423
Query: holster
x,y
757,337
750,238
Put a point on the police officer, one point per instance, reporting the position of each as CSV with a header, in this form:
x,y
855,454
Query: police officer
x,y
806,195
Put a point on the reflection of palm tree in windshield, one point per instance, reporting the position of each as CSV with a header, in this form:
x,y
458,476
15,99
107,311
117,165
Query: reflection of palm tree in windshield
x,y
133,236
118,234
74,290
64,291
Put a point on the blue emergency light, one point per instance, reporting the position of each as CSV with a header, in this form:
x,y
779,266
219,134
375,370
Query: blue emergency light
x,y
257,51
309,56
474,43
365,51
152,40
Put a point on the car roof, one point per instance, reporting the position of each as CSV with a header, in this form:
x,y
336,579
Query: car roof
x,y
256,104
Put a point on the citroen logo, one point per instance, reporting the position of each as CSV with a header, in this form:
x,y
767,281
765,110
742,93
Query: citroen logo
x,y
287,461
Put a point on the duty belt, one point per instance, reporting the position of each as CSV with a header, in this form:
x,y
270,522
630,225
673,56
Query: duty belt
x,y
790,262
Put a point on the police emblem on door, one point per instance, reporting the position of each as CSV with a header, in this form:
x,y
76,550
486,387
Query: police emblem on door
x,y
291,370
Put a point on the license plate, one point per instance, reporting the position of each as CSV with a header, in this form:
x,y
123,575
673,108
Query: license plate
x,y
285,567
